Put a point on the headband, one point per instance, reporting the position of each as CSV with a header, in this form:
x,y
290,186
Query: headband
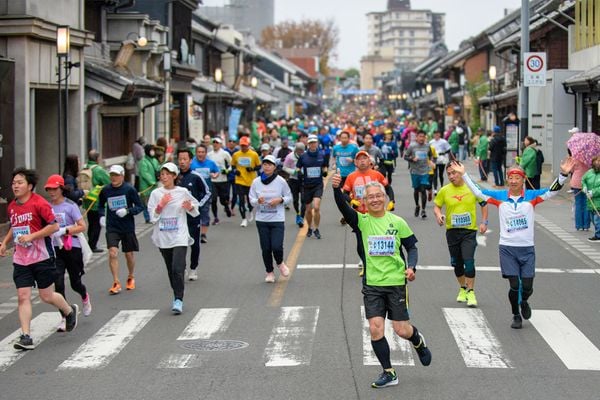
x,y
515,171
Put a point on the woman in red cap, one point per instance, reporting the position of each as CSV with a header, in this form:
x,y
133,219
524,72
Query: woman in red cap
x,y
516,211
66,244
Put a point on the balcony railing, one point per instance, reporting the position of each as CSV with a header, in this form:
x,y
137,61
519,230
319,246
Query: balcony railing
x,y
587,24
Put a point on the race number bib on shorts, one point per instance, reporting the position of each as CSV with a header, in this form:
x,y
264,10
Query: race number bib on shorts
x,y
244,161
384,245
114,203
313,172
168,224
61,219
516,223
460,220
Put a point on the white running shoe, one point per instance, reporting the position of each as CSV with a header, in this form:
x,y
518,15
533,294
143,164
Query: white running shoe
x,y
62,326
87,306
193,275
244,223
251,216
270,277
283,269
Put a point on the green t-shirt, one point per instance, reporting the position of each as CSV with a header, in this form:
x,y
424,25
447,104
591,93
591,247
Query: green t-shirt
x,y
461,205
381,240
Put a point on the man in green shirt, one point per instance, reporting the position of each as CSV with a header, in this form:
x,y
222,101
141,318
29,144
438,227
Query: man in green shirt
x,y
461,231
384,281
90,202
481,153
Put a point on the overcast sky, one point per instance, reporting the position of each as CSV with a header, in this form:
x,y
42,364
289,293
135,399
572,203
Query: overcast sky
x,y
464,18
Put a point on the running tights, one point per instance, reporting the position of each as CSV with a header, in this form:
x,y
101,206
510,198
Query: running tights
x,y
513,292
423,193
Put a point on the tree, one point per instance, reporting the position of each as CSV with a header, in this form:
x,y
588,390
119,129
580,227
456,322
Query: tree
x,y
308,33
351,73
476,90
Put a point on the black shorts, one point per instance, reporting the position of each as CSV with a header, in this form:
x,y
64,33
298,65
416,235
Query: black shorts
x,y
42,273
128,241
310,192
382,301
461,243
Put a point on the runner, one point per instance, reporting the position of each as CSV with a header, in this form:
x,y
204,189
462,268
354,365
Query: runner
x,y
384,291
209,170
197,186
120,202
66,243
269,193
295,183
420,160
168,206
461,231
389,151
516,209
31,222
313,169
220,185
373,150
443,150
343,154
246,163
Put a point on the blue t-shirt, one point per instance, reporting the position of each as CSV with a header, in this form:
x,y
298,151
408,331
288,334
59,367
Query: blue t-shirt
x,y
389,150
325,142
204,168
67,214
344,158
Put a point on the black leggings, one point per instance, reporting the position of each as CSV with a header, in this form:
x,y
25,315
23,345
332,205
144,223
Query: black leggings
x,y
423,191
296,189
387,170
71,261
513,292
242,195
220,191
175,262
438,174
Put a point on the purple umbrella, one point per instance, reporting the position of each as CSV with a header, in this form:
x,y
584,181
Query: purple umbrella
x,y
584,146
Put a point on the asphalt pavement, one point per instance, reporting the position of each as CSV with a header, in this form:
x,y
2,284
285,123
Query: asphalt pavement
x,y
304,337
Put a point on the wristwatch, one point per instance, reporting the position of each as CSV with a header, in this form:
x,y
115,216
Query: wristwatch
x,y
66,231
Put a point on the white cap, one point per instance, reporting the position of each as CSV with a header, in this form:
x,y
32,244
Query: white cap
x,y
270,159
172,168
217,139
116,169
459,130
265,146
313,138
574,130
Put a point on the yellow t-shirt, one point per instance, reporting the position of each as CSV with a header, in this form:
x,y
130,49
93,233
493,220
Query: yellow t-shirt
x,y
242,160
461,205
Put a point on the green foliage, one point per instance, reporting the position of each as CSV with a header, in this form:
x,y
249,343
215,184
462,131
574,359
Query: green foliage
x,y
352,73
476,91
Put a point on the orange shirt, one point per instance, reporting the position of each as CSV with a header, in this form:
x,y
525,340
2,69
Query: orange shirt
x,y
355,185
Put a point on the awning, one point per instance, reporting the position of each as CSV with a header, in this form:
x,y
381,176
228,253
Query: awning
x,y
508,94
118,83
212,89
585,81
259,95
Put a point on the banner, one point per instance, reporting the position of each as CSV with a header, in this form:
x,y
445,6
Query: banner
x,y
234,121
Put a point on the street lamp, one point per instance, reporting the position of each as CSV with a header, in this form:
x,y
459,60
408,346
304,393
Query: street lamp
x,y
492,76
428,88
63,47
218,80
141,41
254,84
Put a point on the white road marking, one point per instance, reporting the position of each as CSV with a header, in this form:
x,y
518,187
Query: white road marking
x,y
568,342
42,327
292,337
101,348
400,349
477,343
207,323
177,361
480,268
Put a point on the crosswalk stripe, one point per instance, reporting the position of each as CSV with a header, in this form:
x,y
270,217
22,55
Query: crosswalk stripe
x,y
477,343
207,323
42,327
177,361
101,348
569,343
291,340
480,268
400,349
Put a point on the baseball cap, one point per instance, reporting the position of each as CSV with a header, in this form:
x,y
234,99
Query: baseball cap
x,y
54,181
574,130
361,153
270,159
244,141
172,168
265,146
312,138
218,140
116,170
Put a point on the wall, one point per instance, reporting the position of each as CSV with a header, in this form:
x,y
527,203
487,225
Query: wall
x,y
49,10
476,67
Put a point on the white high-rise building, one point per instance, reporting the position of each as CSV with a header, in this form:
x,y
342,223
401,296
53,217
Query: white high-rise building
x,y
244,15
410,34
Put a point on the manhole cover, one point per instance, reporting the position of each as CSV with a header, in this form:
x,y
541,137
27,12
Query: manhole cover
x,y
214,345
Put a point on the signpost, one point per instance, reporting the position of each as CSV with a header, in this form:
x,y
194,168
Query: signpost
x,y
534,69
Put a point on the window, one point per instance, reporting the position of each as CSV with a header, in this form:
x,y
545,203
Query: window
x,y
411,33
411,42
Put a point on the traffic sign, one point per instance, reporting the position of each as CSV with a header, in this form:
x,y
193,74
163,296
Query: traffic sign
x,y
534,69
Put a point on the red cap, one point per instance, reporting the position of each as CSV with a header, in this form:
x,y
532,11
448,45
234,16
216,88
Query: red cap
x,y
54,182
244,141
362,153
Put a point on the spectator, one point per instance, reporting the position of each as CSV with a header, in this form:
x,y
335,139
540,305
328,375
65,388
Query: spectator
x,y
99,178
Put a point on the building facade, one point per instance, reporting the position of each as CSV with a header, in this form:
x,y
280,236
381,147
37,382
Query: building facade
x,y
246,15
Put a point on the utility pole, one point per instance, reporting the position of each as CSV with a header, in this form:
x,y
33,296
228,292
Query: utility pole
x,y
524,91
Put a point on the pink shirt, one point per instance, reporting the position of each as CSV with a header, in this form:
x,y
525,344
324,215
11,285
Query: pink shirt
x,y
578,171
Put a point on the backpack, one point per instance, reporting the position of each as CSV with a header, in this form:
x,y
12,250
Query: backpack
x,y
84,179
539,160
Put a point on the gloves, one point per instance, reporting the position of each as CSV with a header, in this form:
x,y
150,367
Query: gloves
x,y
103,222
355,203
324,174
121,212
225,171
390,206
249,169
237,172
590,193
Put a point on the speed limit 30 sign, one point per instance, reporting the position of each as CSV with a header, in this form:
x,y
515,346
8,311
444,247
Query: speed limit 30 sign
x,y
534,69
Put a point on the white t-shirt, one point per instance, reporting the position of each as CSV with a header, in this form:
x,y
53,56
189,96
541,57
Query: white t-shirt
x,y
276,189
223,161
170,226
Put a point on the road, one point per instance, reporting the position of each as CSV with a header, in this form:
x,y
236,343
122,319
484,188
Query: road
x,y
304,337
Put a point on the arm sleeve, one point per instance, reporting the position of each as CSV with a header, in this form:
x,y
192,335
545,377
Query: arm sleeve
x,y
412,254
348,213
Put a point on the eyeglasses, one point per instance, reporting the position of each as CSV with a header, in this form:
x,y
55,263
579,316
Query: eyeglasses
x,y
377,196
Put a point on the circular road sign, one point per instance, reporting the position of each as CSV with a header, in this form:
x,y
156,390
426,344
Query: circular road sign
x,y
535,63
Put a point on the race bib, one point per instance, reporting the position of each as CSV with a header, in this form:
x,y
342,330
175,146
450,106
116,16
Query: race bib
x,y
384,245
61,218
460,220
265,208
20,231
359,191
244,161
117,202
421,155
517,223
313,172
168,224
345,161
204,172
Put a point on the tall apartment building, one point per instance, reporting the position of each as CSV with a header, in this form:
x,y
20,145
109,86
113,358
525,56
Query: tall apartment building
x,y
244,15
410,33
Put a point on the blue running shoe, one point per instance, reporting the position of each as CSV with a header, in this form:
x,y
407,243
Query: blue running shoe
x,y
387,378
423,352
177,307
299,221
